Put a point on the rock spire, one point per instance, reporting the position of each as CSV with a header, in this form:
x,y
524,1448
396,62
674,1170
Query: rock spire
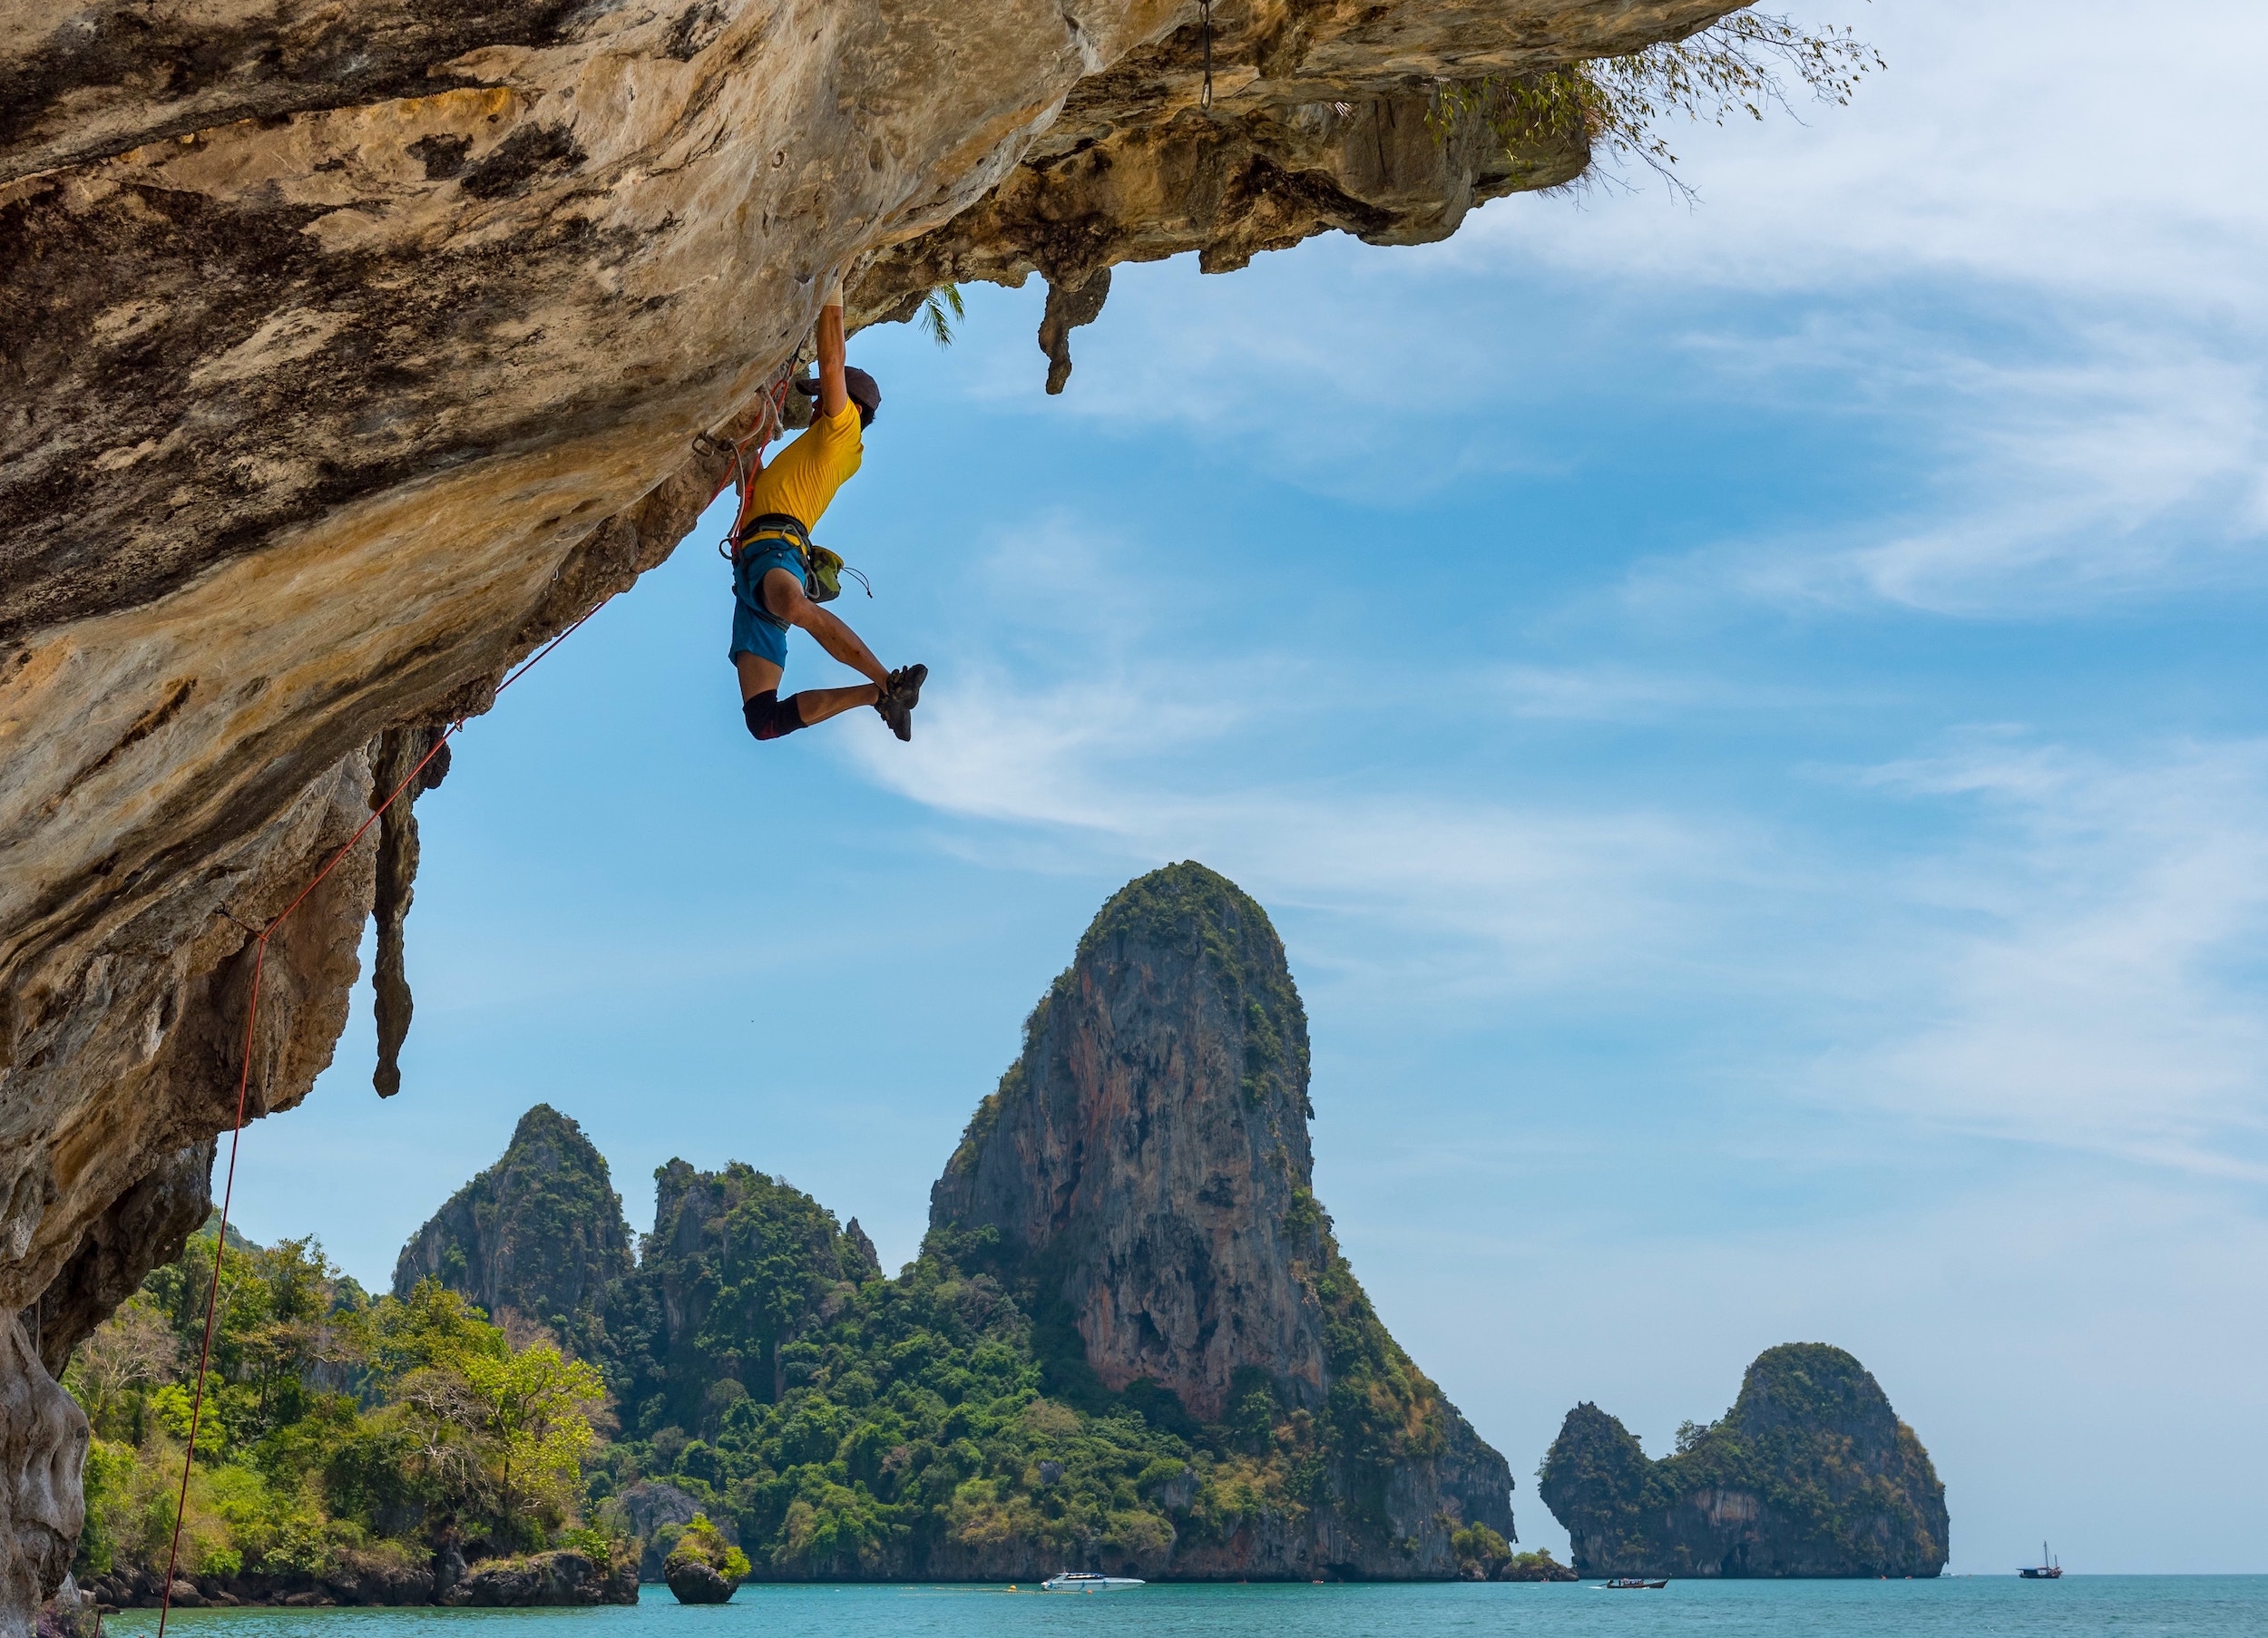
x,y
540,1234
1143,1170
1149,1150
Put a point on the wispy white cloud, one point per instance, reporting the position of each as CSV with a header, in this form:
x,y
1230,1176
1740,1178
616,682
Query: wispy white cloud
x,y
1146,748
1478,893
2131,471
2095,960
2068,959
2087,384
2010,146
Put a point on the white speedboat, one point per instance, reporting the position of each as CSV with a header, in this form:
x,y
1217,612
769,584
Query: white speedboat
x,y
1087,1581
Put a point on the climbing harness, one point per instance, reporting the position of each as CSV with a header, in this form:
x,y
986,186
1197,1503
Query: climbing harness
x,y
243,1086
1205,19
825,568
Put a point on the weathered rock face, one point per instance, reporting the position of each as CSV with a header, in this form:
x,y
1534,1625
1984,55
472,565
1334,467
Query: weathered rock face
x,y
692,1581
154,1218
354,351
1145,1164
43,1448
645,1510
539,1234
1811,1474
71,1613
1149,1149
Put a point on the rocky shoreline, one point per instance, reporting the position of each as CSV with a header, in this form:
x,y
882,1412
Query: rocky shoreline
x,y
564,1578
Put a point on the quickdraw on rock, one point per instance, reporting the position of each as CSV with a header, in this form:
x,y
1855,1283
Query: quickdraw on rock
x,y
1205,21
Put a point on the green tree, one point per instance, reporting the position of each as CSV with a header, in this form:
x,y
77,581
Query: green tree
x,y
536,1408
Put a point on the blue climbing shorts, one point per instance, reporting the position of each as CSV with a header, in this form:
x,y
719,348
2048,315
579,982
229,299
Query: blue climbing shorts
x,y
755,629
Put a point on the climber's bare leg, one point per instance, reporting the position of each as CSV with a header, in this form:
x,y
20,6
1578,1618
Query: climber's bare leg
x,y
786,597
813,705
757,676
817,704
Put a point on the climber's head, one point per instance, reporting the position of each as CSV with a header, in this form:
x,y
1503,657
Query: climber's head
x,y
859,384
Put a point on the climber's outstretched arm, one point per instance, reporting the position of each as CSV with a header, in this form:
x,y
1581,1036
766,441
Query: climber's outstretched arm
x,y
833,396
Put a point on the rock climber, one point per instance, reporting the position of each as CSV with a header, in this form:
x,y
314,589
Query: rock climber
x,y
773,560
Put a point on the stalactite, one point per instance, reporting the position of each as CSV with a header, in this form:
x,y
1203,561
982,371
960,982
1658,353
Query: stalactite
x,y
399,752
1068,306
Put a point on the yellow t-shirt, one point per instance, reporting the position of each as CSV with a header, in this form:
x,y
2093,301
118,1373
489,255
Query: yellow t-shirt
x,y
803,478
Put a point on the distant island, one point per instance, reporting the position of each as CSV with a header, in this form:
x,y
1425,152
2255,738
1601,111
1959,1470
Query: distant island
x,y
1809,1474
1129,1342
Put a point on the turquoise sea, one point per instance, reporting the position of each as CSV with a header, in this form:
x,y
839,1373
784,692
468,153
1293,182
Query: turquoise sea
x,y
2077,1607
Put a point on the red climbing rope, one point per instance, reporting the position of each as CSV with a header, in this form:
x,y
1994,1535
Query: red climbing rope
x,y
243,1086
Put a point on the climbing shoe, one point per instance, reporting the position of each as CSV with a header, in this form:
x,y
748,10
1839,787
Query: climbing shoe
x,y
899,697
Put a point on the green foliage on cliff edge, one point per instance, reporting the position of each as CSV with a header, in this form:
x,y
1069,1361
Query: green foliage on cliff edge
x,y
948,1420
1616,106
943,1422
1187,907
847,1425
1843,1486
701,1542
738,1263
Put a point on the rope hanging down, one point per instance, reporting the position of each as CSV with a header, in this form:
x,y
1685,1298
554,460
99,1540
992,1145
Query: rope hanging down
x,y
243,1085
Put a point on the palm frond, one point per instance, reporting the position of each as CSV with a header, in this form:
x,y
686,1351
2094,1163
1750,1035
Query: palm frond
x,y
939,309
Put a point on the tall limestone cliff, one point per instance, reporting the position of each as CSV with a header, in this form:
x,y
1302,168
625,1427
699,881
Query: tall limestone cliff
x,y
354,351
1146,1157
540,1234
1143,1173
1809,1474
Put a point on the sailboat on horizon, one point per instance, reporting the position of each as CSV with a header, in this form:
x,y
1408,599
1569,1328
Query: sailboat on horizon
x,y
2046,1569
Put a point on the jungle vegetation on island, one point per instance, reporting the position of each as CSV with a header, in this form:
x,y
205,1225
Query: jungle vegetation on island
x,y
834,1422
337,1431
530,1383
859,1426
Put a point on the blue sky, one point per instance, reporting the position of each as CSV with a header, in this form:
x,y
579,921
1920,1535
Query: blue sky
x,y
1747,718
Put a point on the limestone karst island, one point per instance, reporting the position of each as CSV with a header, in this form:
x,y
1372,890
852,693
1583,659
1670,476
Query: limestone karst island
x,y
354,357
1809,1474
